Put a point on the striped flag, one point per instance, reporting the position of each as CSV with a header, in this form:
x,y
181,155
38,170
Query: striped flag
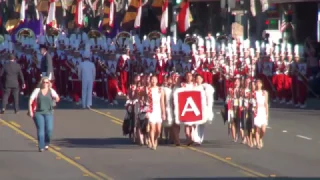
x,y
51,19
23,11
164,18
130,16
184,17
137,21
78,17
108,15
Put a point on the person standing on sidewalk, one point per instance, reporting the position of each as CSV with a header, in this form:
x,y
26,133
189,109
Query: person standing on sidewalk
x,y
41,105
10,74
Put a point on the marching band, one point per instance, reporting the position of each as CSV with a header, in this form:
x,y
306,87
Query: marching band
x,y
147,71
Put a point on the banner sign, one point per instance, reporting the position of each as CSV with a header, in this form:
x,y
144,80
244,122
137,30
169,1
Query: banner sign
x,y
190,106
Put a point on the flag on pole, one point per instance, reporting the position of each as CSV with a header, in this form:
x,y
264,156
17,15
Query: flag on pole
x,y
184,17
164,18
108,15
23,10
51,19
137,21
79,17
130,16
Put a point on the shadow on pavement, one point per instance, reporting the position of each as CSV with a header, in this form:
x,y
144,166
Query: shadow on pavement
x,y
119,143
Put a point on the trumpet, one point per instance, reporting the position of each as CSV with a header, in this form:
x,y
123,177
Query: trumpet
x,y
103,65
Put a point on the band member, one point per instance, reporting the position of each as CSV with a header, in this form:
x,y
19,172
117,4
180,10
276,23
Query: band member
x,y
175,128
87,74
302,82
188,84
46,63
198,135
122,70
157,113
167,88
261,113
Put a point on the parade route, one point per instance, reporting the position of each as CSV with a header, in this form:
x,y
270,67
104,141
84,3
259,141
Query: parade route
x,y
89,144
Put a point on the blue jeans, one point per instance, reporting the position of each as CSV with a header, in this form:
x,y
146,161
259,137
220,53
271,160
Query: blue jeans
x,y
44,123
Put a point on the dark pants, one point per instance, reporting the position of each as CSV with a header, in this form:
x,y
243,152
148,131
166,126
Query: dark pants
x,y
44,123
15,93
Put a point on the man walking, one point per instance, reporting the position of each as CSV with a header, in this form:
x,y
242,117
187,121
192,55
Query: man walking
x,y
87,74
46,65
9,74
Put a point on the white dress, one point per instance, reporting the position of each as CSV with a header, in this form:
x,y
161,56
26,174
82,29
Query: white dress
x,y
155,116
261,116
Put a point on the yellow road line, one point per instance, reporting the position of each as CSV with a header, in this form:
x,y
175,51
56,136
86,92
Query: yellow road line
x,y
104,175
229,162
15,124
58,154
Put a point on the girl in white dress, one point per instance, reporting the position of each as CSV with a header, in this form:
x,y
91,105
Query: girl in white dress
x,y
261,113
157,112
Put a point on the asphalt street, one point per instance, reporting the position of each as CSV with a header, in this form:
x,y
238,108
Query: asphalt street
x,y
88,144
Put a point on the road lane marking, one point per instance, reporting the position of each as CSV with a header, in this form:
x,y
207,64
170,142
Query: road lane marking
x,y
228,158
214,156
273,175
104,114
15,124
303,137
284,131
229,162
55,147
117,122
59,155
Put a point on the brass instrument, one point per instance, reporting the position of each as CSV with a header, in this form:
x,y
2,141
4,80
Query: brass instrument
x,y
103,65
221,38
154,35
94,34
191,40
121,38
52,32
24,33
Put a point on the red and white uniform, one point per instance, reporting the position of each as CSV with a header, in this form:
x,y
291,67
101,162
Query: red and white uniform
x,y
161,66
122,72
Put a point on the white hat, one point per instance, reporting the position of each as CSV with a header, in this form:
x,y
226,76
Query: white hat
x,y
86,54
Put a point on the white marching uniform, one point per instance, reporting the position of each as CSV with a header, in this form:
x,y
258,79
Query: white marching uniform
x,y
87,74
155,116
198,131
261,116
168,103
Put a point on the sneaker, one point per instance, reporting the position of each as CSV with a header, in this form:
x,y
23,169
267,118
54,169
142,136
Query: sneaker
x,y
41,150
46,147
